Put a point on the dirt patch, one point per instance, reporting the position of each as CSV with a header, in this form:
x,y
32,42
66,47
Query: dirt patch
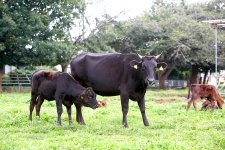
x,y
173,95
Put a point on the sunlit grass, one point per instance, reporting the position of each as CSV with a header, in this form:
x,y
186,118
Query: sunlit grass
x,y
170,126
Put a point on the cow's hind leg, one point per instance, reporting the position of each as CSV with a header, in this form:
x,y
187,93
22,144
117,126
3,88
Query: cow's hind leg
x,y
59,107
79,117
141,105
40,101
125,107
32,104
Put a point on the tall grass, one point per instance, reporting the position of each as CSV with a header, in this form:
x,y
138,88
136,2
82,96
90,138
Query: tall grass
x,y
170,126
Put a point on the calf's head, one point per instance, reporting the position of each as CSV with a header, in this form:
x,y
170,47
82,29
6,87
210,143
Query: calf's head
x,y
147,65
88,98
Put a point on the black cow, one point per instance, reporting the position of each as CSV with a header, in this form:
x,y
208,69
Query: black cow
x,y
62,88
114,74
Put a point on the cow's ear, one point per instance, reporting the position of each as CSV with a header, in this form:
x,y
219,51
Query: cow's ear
x,y
135,64
162,66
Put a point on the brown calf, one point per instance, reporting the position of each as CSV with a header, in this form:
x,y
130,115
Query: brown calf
x,y
102,103
204,91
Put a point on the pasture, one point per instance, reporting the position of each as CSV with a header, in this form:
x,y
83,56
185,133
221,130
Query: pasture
x,y
170,126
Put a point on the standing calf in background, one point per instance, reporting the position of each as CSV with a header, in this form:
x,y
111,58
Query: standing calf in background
x,y
61,87
204,91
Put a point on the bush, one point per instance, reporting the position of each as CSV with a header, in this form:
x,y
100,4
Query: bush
x,y
29,70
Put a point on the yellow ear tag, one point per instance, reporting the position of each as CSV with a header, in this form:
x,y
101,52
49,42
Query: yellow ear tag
x,y
135,66
81,97
161,68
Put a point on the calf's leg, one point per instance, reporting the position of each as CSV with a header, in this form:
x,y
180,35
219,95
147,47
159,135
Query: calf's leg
x,y
205,104
40,101
32,104
189,104
68,108
212,105
195,104
79,117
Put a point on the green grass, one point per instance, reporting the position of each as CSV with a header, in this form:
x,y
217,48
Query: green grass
x,y
170,126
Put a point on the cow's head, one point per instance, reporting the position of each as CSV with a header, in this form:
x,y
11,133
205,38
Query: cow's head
x,y
147,65
88,98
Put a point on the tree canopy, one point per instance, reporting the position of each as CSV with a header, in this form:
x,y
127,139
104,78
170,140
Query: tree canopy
x,y
37,30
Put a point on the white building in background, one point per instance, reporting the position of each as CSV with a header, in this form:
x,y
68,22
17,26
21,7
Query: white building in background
x,y
8,68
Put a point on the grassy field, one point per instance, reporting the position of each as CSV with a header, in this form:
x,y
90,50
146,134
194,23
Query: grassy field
x,y
170,126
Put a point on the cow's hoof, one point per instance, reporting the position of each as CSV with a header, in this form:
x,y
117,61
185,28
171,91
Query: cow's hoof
x,y
82,123
147,124
125,125
70,122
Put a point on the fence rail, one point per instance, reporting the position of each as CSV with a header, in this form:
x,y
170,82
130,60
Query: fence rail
x,y
17,80
171,84
25,80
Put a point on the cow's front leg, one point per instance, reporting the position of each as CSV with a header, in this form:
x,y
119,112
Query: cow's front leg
x,y
141,104
79,117
59,109
68,108
125,107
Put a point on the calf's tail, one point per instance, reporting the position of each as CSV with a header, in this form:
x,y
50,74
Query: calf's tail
x,y
189,91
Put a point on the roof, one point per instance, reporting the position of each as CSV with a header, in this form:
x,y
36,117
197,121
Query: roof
x,y
219,23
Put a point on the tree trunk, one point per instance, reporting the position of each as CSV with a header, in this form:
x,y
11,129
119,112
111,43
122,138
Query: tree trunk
x,y
165,75
64,67
194,74
1,76
205,76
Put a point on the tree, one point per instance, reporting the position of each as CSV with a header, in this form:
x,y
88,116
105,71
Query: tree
x,y
31,29
175,30
170,29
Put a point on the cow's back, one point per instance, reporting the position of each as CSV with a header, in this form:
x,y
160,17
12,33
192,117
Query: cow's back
x,y
44,83
103,72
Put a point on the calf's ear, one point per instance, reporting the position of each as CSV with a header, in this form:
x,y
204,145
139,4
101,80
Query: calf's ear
x,y
135,64
81,97
89,89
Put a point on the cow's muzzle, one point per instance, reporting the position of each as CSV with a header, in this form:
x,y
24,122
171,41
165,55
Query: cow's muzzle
x,y
95,106
151,82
